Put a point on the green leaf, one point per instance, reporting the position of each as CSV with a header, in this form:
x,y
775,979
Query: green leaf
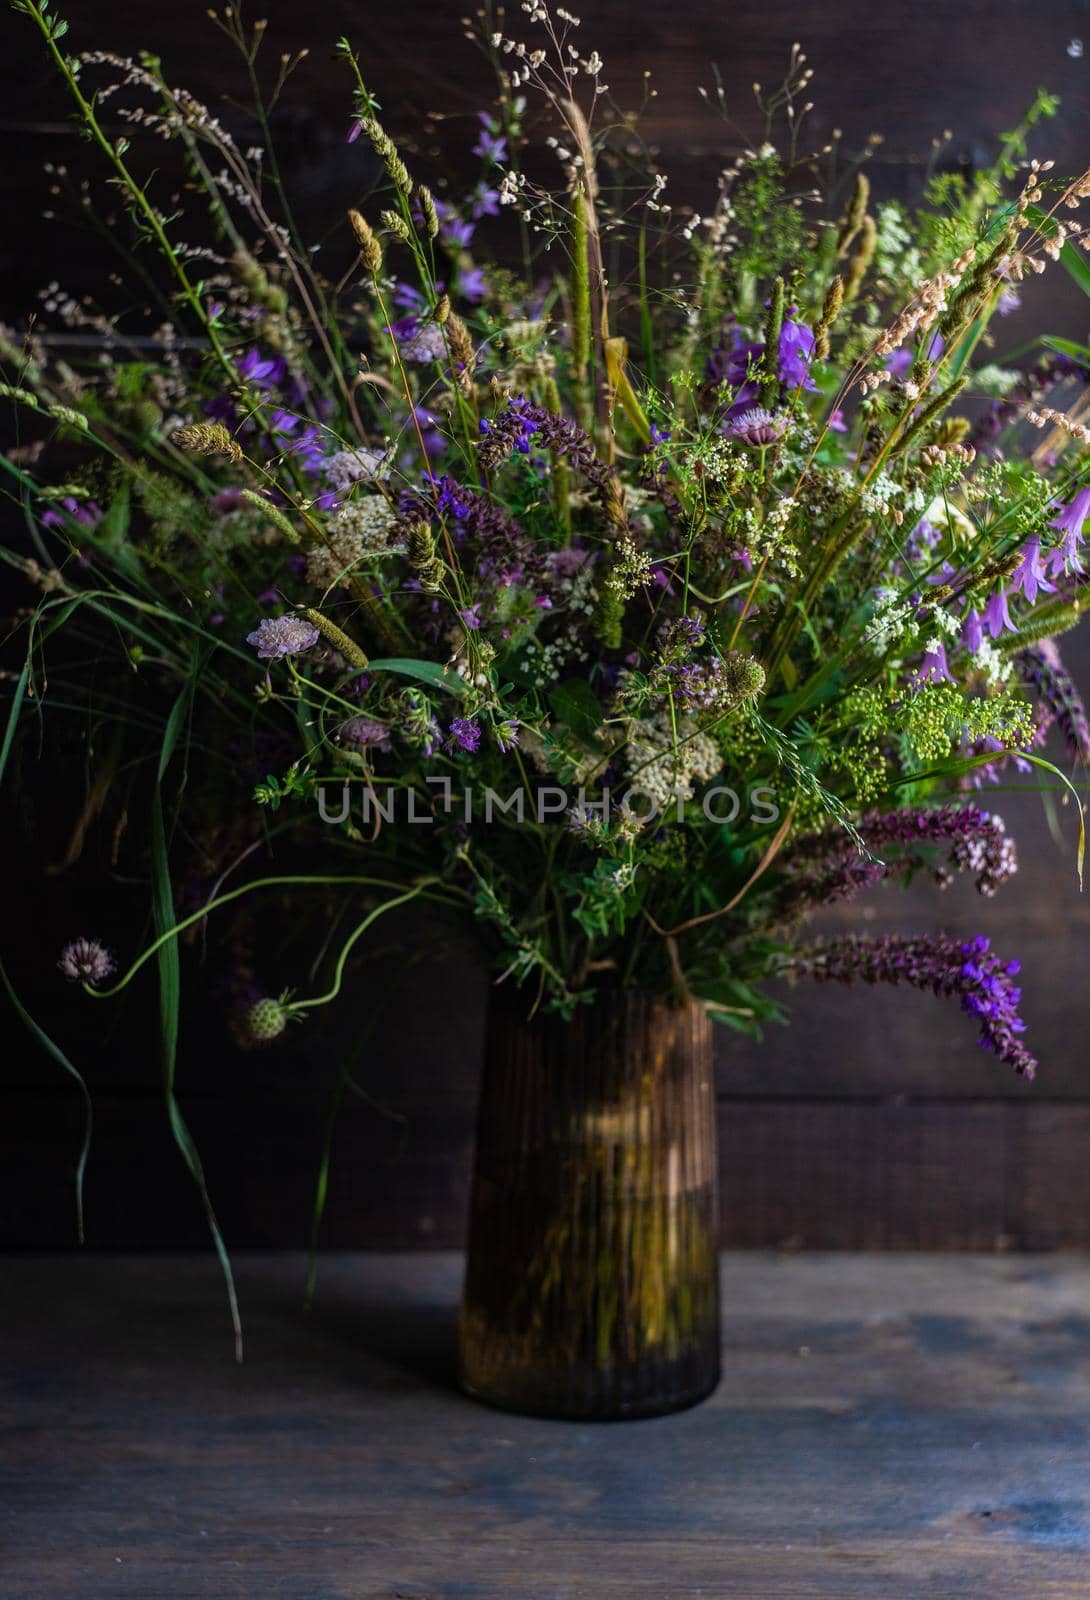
x,y
13,715
426,671
170,989
1068,347
576,706
53,1049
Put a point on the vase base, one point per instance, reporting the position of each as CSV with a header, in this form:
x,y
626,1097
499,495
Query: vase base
x,y
560,1404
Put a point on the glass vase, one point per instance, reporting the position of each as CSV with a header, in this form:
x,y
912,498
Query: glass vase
x,y
591,1285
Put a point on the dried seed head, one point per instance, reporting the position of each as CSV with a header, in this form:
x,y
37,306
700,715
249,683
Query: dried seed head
x,y
206,439
426,202
370,249
395,224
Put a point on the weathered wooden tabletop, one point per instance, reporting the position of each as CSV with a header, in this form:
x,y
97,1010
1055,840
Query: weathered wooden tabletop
x,y
900,1426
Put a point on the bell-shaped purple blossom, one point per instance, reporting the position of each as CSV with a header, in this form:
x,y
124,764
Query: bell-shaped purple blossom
x,y
1028,578
972,632
796,353
997,616
491,144
1070,518
934,668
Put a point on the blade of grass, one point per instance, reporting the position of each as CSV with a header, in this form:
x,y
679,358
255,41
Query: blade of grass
x,y
53,1049
170,988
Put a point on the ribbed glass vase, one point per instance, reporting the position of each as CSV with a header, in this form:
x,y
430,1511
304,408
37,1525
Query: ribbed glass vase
x,y
591,1279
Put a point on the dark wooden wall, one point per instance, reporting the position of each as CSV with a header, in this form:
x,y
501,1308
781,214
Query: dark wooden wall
x,y
874,1121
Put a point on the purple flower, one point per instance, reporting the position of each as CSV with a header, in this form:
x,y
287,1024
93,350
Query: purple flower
x,y
90,514
1029,576
86,961
465,734
997,616
1069,521
1042,670
901,360
254,368
972,632
757,426
507,735
471,617
966,970
355,128
366,731
406,298
485,202
934,667
837,423
490,146
796,353
1010,300
282,636
426,344
456,232
827,866
471,285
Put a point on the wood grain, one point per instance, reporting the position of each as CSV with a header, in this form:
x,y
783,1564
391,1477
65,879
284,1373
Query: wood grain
x,y
910,1428
874,1120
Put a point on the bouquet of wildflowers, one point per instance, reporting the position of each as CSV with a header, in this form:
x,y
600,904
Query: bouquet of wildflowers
x,y
628,581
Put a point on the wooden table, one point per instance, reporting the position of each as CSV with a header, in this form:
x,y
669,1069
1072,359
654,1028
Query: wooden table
x,y
901,1426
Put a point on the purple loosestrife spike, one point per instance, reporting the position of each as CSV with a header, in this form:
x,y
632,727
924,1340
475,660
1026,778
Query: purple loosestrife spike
x,y
827,866
966,970
282,636
86,961
1042,670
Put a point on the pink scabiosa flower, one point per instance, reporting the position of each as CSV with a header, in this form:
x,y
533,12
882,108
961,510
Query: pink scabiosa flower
x,y
86,961
282,636
367,732
757,426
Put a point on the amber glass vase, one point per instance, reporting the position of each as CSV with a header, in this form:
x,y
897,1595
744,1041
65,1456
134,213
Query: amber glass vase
x,y
591,1279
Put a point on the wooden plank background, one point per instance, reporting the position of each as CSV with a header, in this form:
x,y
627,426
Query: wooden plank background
x,y
873,1121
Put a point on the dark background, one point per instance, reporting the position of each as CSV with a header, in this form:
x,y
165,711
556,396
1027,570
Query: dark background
x,y
874,1121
